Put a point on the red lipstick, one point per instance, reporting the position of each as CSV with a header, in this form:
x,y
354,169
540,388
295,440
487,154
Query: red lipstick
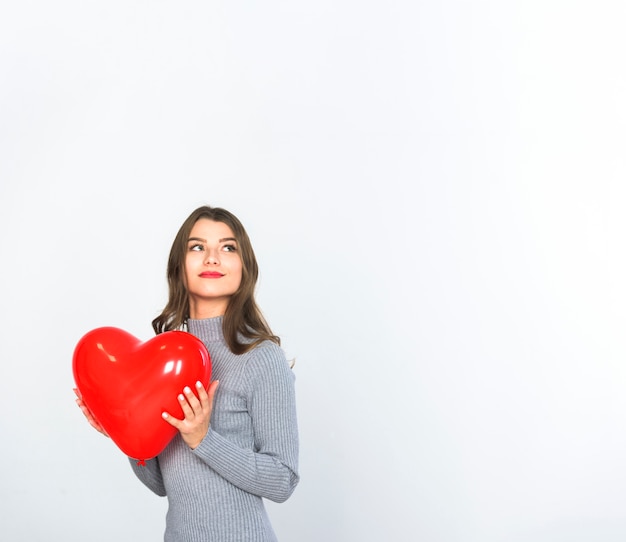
x,y
211,275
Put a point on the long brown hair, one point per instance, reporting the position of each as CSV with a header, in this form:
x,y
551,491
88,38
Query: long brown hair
x,y
243,317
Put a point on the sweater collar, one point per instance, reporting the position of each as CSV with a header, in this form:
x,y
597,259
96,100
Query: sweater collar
x,y
208,329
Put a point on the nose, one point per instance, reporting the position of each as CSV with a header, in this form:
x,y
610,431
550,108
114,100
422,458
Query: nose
x,y
211,257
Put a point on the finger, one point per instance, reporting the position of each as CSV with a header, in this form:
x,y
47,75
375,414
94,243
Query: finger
x,y
193,401
175,422
90,418
212,389
85,410
202,394
96,425
184,404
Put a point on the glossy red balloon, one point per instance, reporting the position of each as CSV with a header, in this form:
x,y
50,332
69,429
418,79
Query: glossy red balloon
x,y
127,384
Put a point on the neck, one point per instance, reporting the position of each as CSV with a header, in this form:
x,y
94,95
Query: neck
x,y
201,309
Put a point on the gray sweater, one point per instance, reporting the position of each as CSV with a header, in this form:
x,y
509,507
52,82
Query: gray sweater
x,y
215,492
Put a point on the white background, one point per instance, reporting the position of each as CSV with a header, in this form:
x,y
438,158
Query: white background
x,y
435,192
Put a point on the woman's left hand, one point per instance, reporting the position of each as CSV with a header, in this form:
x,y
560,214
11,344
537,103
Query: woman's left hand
x,y
197,410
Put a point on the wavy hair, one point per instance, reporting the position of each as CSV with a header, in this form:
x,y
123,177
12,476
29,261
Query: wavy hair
x,y
244,325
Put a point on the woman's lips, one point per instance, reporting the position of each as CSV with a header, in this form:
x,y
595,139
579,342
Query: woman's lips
x,y
211,275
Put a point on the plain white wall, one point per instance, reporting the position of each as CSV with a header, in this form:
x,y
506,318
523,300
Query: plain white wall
x,y
435,191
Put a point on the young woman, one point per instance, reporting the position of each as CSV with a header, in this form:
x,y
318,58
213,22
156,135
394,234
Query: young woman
x,y
238,441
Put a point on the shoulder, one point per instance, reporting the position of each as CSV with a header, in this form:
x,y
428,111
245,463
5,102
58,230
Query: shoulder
x,y
267,360
267,353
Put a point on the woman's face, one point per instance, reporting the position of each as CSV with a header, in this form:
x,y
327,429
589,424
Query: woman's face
x,y
213,268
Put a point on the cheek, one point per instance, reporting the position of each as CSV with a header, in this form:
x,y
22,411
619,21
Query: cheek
x,y
239,273
187,268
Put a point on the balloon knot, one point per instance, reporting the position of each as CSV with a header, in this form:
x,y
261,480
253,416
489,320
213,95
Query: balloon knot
x,y
141,463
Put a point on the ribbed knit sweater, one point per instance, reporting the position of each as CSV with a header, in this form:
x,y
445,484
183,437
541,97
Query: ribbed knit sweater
x,y
215,492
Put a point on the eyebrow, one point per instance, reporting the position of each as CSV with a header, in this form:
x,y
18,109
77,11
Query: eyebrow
x,y
224,239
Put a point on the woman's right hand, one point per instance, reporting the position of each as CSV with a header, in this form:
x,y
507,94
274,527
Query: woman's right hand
x,y
90,418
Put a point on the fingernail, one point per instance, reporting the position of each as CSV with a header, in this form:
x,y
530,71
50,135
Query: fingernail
x,y
198,384
165,416
187,389
181,397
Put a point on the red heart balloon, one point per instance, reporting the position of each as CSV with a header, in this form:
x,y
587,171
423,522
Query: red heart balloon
x,y
127,384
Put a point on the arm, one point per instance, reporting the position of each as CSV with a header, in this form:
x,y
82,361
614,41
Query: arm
x,y
150,475
270,469
87,413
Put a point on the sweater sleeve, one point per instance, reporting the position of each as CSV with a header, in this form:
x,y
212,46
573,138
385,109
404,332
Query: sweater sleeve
x,y
270,470
150,475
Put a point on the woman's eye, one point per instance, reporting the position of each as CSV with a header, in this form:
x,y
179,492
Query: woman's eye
x,y
196,248
230,248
